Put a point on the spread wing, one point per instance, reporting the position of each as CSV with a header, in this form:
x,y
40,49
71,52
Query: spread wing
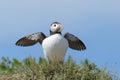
x,y
31,39
74,42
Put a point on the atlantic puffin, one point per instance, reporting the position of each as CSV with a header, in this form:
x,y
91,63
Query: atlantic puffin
x,y
54,46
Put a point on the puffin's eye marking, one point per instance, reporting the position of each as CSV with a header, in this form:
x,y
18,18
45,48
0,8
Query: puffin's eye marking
x,y
55,25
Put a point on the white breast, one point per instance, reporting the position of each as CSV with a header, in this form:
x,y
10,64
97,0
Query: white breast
x,y
54,48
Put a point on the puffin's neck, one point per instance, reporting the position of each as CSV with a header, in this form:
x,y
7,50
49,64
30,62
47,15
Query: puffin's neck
x,y
52,33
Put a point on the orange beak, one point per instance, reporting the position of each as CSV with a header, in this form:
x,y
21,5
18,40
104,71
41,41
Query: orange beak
x,y
60,28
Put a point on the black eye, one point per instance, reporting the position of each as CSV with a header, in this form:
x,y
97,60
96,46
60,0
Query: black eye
x,y
55,25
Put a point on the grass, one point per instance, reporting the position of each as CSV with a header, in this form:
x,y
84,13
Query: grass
x,y
29,69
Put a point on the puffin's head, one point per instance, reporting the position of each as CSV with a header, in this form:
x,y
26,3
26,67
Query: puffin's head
x,y
55,27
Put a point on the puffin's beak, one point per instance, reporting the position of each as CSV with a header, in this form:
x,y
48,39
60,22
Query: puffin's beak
x,y
60,28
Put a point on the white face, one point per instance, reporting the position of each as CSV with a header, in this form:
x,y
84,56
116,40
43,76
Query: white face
x,y
56,27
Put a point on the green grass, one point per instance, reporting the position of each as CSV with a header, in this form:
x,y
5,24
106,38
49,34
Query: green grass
x,y
29,69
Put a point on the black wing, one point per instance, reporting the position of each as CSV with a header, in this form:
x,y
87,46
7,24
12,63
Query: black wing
x,y
31,39
74,42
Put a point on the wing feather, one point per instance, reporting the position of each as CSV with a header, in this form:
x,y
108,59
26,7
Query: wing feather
x,y
74,42
31,39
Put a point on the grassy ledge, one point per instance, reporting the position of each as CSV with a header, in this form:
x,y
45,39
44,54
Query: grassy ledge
x,y
29,69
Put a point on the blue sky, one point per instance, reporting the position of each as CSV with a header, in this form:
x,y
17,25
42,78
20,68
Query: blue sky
x,y
95,22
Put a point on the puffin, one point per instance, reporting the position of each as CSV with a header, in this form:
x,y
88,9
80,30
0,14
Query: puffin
x,y
54,46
